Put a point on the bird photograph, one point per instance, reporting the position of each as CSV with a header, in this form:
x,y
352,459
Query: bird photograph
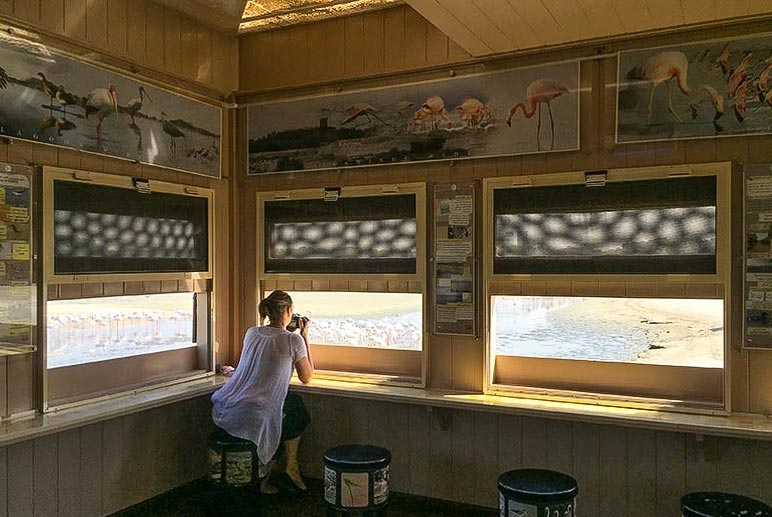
x,y
58,100
685,92
453,118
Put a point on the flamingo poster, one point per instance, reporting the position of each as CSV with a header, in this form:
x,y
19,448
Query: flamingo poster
x,y
49,98
516,111
700,90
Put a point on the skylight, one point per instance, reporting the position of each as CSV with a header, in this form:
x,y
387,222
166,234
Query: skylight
x,y
262,15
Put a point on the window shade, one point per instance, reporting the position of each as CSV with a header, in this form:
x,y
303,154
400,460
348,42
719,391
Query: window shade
x,y
653,226
101,229
375,234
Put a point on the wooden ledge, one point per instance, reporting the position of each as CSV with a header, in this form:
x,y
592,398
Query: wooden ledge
x,y
748,426
63,420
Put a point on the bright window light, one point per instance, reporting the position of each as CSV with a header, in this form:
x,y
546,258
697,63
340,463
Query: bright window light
x,y
675,332
97,329
382,320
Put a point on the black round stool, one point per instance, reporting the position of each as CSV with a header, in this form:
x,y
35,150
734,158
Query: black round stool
x,y
719,504
234,470
538,493
356,480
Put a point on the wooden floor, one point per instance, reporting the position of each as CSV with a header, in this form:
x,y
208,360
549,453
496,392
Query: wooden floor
x,y
199,500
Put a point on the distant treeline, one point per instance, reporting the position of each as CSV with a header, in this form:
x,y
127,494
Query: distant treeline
x,y
306,138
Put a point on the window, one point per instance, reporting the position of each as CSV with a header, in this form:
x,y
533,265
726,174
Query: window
x,y
355,266
128,284
617,291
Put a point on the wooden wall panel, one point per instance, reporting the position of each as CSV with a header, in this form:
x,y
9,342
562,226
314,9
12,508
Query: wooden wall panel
x,y
402,41
138,30
359,46
620,471
104,467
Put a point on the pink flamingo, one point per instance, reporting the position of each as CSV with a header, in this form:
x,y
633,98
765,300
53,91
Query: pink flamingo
x,y
473,111
664,66
541,91
436,108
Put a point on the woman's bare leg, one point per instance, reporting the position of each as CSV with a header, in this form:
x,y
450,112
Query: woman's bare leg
x,y
293,469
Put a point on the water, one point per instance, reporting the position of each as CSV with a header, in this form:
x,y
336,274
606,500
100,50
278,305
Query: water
x,y
548,327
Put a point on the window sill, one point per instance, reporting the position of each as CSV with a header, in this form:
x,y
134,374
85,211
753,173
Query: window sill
x,y
738,425
65,419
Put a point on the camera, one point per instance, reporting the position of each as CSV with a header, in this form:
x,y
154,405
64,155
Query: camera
x,y
295,322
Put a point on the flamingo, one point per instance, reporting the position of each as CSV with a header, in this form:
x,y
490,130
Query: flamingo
x,y
48,88
540,91
420,117
723,59
102,102
363,110
471,110
664,66
740,101
135,105
436,108
738,74
764,83
173,131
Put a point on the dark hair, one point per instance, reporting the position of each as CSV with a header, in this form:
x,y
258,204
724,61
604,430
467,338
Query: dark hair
x,y
274,306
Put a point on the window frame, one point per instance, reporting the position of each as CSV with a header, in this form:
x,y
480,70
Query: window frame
x,y
717,285
355,282
205,330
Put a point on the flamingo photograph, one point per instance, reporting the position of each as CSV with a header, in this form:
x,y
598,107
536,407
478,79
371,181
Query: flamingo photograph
x,y
699,90
50,98
461,117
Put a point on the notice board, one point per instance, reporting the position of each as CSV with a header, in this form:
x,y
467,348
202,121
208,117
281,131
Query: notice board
x,y
454,260
17,292
757,257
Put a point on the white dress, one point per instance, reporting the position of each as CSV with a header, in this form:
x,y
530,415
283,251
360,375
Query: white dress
x,y
251,402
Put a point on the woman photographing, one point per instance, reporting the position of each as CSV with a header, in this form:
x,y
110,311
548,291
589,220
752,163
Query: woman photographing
x,y
255,404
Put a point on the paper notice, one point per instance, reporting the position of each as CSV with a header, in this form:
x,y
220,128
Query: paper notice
x,y
457,219
765,217
759,187
759,277
453,250
758,227
759,331
443,282
446,314
20,251
3,232
462,205
18,214
763,306
14,180
755,296
464,311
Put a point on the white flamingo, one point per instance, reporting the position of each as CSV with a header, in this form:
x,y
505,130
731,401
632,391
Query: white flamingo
x,y
101,102
664,66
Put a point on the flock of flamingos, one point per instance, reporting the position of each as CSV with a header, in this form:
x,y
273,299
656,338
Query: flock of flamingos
x,y
744,81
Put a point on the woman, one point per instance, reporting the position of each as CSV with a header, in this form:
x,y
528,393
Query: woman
x,y
252,403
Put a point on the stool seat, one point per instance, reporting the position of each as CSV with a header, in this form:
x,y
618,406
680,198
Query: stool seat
x,y
720,504
356,480
357,457
538,486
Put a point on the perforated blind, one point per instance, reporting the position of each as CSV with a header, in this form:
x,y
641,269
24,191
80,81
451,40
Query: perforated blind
x,y
375,234
101,229
653,226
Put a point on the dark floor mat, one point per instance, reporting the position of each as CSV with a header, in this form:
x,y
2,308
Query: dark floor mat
x,y
200,500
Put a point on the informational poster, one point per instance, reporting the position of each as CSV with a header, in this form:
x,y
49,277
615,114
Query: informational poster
x,y
454,260
17,293
758,257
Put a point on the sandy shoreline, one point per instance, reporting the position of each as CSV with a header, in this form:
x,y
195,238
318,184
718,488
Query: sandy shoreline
x,y
681,332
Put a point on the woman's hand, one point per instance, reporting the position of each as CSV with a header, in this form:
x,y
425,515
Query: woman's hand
x,y
303,324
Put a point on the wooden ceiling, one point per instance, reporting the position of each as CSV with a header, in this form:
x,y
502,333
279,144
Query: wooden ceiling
x,y
484,27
